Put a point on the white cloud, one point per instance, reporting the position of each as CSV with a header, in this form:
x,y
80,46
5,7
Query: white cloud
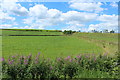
x,y
40,16
114,4
103,26
30,4
80,17
73,28
14,8
79,1
5,25
19,10
5,17
90,7
28,20
38,11
108,18
75,23
54,13
109,22
15,23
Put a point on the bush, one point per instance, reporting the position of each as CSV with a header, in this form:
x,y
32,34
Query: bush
x,y
39,68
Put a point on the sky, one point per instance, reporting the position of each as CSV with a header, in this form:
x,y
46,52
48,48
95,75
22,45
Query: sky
x,y
70,15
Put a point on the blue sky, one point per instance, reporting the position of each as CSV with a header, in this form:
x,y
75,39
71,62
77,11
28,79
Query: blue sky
x,y
60,15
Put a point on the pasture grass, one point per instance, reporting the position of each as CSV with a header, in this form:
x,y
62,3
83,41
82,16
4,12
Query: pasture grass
x,y
55,46
10,32
108,41
48,46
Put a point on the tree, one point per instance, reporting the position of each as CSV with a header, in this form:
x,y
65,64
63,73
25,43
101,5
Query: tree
x,y
112,31
94,31
100,31
79,31
69,32
105,31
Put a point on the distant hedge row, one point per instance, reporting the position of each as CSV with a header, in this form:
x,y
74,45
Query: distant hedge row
x,y
34,30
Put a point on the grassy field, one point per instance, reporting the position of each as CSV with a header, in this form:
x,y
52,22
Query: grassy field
x,y
108,41
72,56
10,32
49,46
55,46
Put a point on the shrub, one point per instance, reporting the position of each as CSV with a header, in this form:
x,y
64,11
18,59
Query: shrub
x,y
39,68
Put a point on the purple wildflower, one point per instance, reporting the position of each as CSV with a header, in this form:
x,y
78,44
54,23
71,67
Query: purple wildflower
x,y
78,57
12,60
36,58
70,60
67,58
87,56
25,63
36,62
9,62
30,56
2,59
8,59
58,59
38,53
13,56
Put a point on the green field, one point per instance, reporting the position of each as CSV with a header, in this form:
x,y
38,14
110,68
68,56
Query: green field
x,y
108,41
56,46
10,32
70,56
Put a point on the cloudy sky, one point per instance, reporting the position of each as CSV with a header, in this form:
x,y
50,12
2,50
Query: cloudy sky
x,y
60,15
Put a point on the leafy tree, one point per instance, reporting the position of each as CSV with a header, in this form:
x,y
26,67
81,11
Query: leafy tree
x,y
79,31
112,31
100,31
94,31
69,32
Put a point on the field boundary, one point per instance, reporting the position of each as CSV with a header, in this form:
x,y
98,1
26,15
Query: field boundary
x,y
31,35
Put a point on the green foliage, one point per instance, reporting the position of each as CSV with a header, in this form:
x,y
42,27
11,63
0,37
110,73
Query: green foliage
x,y
112,31
69,32
82,66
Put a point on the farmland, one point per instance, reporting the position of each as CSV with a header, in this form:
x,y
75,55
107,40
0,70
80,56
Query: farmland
x,y
80,55
54,46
